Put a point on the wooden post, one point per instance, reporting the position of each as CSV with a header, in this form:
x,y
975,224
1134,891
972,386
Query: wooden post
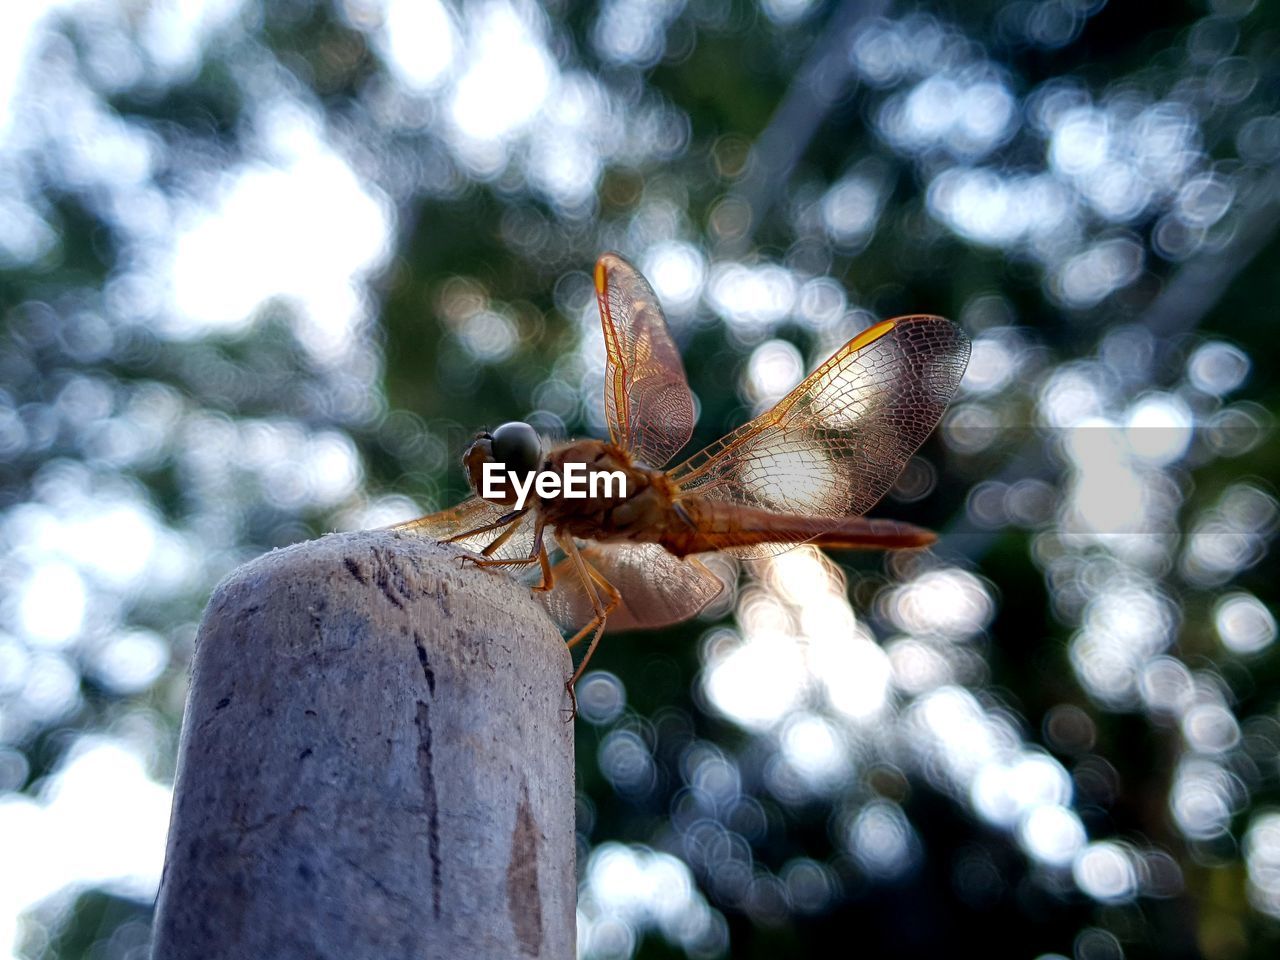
x,y
374,763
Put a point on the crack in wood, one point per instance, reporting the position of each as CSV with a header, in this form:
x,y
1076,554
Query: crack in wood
x,y
384,573
353,568
430,675
430,801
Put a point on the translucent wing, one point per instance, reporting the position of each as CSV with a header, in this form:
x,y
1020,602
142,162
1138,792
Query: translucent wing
x,y
647,401
657,588
834,445
473,514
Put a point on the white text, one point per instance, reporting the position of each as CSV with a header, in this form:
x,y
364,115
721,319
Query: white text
x,y
575,484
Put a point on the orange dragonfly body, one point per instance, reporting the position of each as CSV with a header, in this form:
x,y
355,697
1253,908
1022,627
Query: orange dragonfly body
x,y
804,472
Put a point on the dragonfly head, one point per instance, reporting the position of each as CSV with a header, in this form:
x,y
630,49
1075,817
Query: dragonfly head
x,y
515,446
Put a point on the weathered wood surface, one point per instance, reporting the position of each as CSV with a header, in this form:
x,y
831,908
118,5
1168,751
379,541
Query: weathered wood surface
x,y
374,763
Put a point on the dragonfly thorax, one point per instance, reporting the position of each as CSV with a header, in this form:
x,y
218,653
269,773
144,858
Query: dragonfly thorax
x,y
620,509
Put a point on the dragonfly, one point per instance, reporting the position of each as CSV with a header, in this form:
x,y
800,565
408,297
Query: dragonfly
x,y
633,555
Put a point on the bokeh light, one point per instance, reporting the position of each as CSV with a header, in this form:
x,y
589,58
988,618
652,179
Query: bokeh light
x,y
267,267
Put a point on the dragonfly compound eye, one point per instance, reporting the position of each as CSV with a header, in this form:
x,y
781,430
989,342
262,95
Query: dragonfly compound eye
x,y
518,446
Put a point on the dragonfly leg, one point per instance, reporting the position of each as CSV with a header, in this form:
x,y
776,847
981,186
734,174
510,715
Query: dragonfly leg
x,y
590,579
538,553
548,578
511,521
502,521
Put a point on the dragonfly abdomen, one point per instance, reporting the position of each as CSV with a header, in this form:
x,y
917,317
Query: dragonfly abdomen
x,y
723,525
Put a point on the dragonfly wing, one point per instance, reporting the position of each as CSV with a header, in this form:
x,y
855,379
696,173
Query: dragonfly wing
x,y
473,514
657,588
647,401
835,445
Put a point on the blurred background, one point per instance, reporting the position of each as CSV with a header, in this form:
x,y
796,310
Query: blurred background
x,y
264,267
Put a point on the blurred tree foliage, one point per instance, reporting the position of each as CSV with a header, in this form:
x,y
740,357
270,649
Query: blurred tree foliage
x,y
708,133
